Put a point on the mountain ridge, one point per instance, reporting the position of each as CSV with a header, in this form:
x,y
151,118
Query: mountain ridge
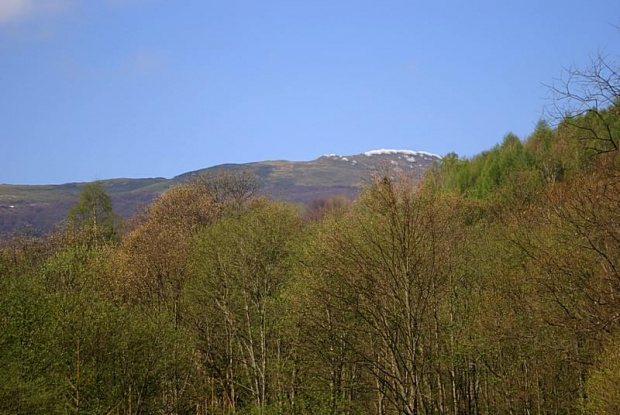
x,y
43,206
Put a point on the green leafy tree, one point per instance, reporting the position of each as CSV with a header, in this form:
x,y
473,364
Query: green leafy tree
x,y
92,215
241,267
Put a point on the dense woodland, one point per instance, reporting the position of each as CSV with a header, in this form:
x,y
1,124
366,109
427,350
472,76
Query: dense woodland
x,y
491,287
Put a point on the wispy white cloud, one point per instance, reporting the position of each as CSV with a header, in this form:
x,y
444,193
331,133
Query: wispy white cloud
x,y
13,11
16,11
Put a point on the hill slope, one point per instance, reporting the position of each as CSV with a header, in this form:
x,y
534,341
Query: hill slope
x,y
43,206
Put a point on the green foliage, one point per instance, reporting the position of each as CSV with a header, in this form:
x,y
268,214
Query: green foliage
x,y
241,267
79,352
68,346
546,157
93,215
482,175
603,386
114,357
27,329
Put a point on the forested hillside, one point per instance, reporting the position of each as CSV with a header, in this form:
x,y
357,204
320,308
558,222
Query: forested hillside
x,y
491,287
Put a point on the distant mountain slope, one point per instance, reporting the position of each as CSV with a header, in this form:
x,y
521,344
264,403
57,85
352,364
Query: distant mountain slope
x,y
43,206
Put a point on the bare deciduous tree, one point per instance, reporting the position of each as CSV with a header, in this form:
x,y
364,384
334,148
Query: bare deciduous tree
x,y
589,99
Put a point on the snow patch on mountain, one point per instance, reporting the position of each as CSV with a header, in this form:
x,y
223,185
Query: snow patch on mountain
x,y
336,157
384,151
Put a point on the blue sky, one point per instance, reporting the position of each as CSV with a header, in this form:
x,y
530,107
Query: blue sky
x,y
96,89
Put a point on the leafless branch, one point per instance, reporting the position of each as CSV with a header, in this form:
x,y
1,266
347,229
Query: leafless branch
x,y
588,100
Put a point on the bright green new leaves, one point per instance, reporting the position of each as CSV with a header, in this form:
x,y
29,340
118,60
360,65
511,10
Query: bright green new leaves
x,y
241,268
93,215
